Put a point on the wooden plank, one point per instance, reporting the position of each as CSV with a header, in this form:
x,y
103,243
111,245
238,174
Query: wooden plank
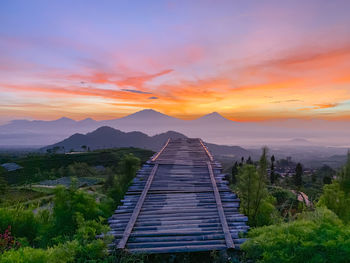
x,y
174,243
129,227
207,151
160,152
194,248
186,204
225,228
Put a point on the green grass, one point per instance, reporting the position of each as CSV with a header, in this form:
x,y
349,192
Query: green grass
x,y
14,196
34,163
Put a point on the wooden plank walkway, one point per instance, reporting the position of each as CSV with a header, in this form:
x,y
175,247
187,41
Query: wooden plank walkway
x,y
179,202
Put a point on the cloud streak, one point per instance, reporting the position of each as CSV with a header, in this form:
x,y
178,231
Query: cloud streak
x,y
248,67
136,91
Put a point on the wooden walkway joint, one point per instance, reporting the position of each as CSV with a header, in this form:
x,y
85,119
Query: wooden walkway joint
x,y
178,202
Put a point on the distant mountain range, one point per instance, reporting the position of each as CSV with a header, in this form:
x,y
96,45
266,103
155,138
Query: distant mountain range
x,y
212,128
107,137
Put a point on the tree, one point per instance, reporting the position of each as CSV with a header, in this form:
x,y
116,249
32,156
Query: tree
x,y
327,179
298,180
249,160
56,149
344,176
128,167
110,181
256,202
234,173
336,196
272,170
84,147
81,170
262,178
68,205
3,182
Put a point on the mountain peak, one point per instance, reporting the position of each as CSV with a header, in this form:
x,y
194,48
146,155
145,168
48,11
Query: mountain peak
x,y
64,119
147,114
87,120
214,116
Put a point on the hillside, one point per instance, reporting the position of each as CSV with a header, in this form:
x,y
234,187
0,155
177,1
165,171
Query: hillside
x,y
107,137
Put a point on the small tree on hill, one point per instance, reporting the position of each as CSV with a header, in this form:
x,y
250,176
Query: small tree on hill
x,y
110,181
3,182
249,160
128,167
234,173
327,179
344,176
252,190
336,196
272,170
298,180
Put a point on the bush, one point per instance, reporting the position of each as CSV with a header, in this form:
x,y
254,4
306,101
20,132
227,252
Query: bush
x,y
335,199
22,221
7,241
317,236
59,254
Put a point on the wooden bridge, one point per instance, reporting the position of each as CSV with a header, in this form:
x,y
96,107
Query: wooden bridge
x,y
178,202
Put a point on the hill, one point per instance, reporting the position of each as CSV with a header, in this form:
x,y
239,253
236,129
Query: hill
x,y
107,137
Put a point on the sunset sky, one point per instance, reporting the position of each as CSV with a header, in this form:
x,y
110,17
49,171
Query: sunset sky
x,y
248,60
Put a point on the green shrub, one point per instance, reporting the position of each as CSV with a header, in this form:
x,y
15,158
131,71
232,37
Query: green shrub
x,y
22,221
58,254
317,236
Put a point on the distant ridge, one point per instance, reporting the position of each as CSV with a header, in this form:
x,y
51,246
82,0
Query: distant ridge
x,y
107,137
212,127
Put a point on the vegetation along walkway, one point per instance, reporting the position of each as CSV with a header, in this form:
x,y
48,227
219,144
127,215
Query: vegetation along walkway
x,y
179,202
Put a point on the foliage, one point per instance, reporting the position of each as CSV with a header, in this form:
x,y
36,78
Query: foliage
x,y
51,166
66,232
110,181
23,222
298,180
234,173
327,179
272,170
80,170
58,254
317,236
285,199
7,241
128,168
325,172
344,176
3,182
335,199
256,202
68,205
336,196
73,224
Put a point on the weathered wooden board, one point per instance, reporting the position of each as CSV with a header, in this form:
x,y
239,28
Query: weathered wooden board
x,y
178,202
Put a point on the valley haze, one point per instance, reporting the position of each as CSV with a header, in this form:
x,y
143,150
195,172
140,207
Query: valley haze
x,y
305,140
212,127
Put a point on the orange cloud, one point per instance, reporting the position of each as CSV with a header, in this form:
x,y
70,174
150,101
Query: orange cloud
x,y
109,78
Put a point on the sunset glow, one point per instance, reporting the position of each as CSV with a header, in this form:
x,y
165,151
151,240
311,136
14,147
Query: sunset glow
x,y
248,60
